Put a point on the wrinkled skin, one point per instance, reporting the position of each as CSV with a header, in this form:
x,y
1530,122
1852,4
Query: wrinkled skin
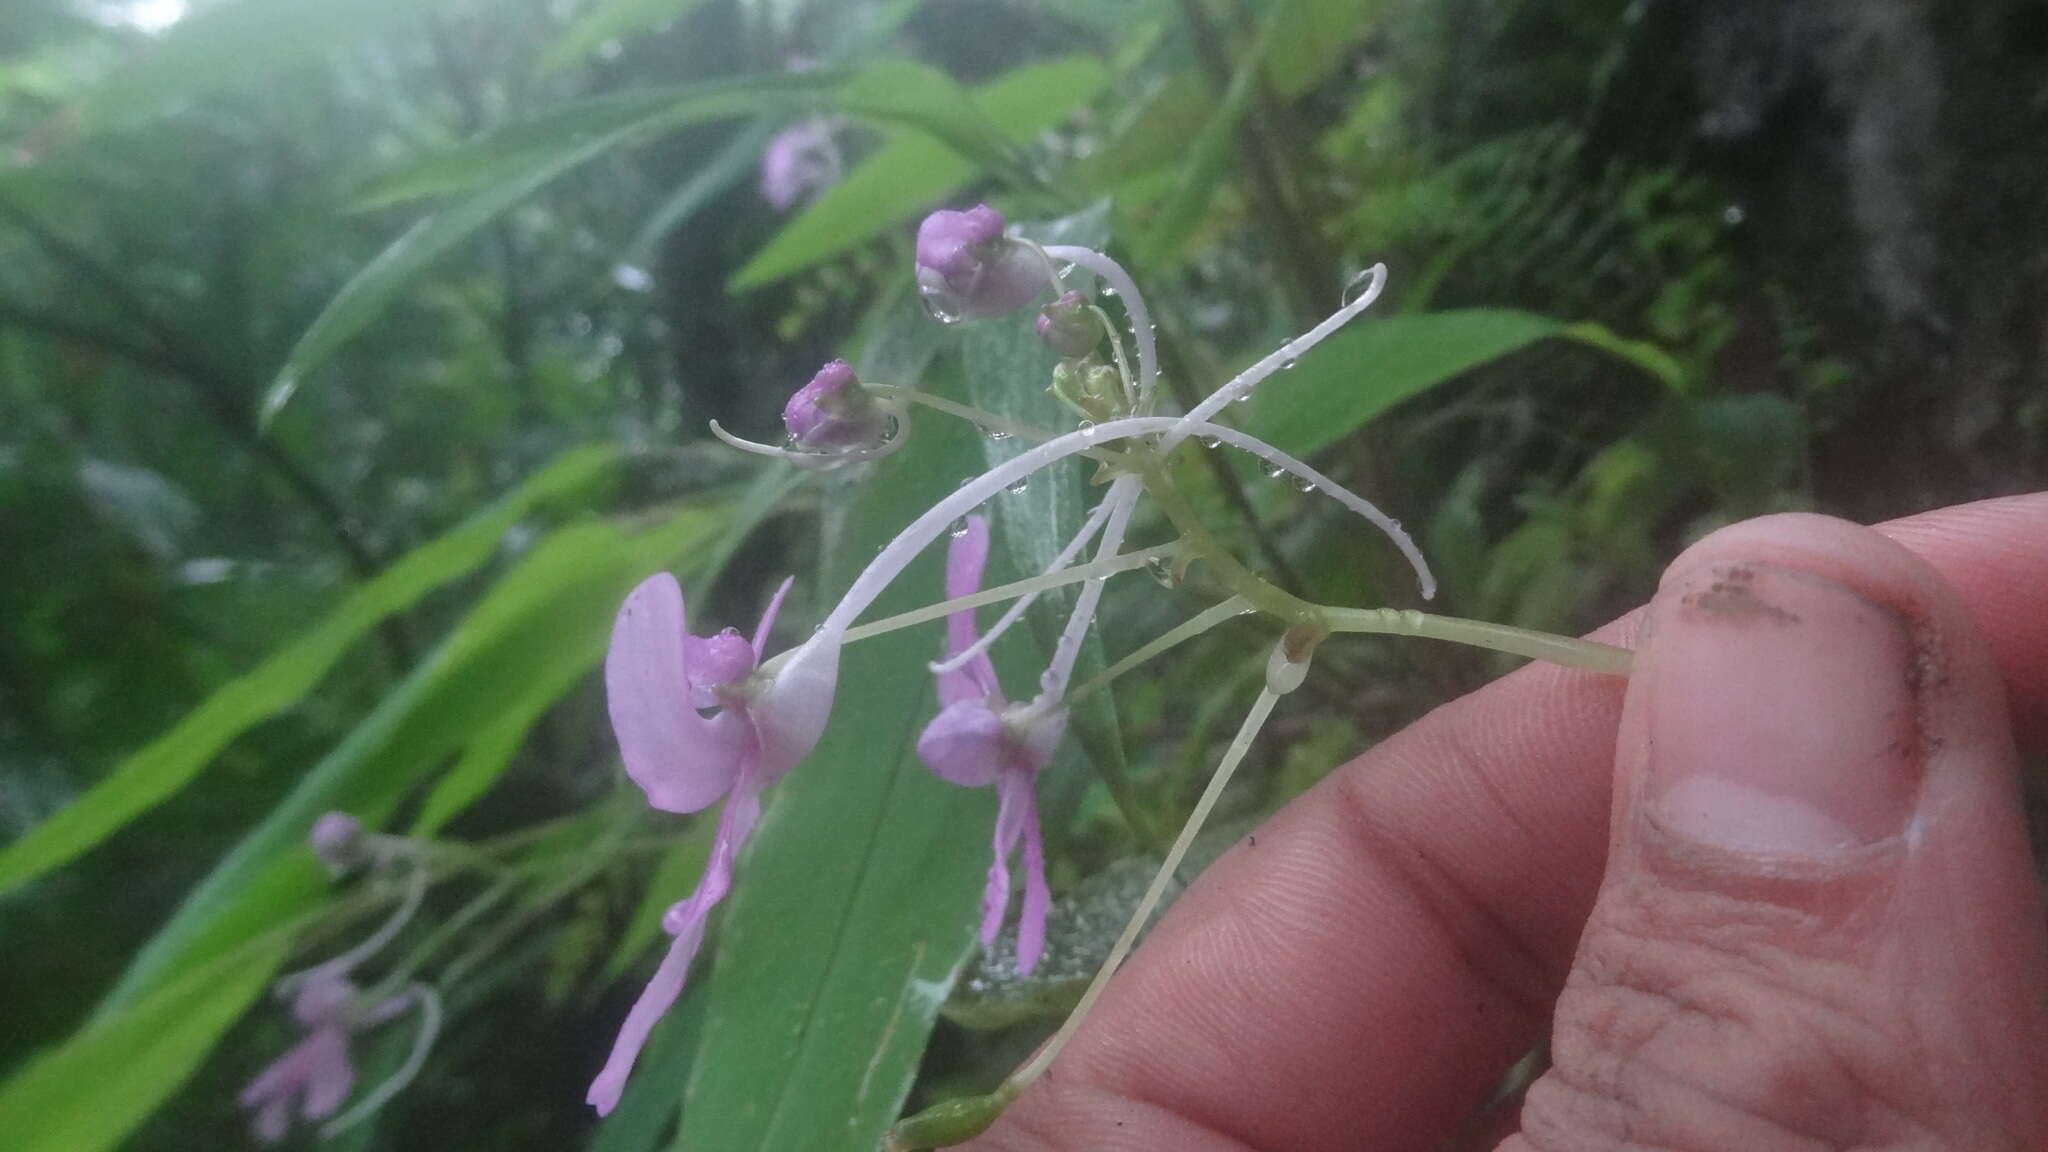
x,y
1773,894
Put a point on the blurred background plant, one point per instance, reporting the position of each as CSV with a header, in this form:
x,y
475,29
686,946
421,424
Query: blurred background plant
x,y
355,357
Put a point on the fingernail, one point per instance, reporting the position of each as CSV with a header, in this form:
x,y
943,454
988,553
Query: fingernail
x,y
1783,713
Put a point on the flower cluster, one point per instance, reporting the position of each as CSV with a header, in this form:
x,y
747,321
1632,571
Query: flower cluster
x,y
315,1076
704,718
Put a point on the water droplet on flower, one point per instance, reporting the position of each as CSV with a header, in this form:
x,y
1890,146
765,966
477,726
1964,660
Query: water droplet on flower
x,y
959,528
1276,471
1304,483
1211,441
998,435
1287,365
942,306
1087,429
1245,397
1108,291
1161,568
1016,487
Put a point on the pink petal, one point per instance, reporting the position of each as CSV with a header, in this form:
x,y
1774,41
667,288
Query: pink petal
x,y
280,1078
273,1120
768,615
330,1075
966,558
660,994
1037,896
1012,806
735,824
965,743
681,760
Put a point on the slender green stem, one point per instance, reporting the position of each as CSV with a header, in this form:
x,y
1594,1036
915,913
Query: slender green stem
x,y
1589,655
1001,425
1187,630
1249,730
1075,575
1261,593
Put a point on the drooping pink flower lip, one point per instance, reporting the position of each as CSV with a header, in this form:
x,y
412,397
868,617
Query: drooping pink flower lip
x,y
977,740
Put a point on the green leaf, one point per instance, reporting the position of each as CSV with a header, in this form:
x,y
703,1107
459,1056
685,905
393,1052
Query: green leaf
x,y
1380,361
912,171
855,902
539,630
91,1091
238,44
737,159
586,128
608,22
1312,39
159,769
1209,158
512,164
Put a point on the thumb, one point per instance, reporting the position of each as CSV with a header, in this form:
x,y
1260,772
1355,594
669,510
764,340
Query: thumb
x,y
1819,925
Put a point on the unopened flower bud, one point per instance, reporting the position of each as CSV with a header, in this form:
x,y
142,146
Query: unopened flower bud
x,y
1068,327
1094,388
833,412
338,841
968,270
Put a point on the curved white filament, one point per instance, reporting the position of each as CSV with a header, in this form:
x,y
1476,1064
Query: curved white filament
x,y
1052,685
1331,488
1015,612
430,1027
1285,354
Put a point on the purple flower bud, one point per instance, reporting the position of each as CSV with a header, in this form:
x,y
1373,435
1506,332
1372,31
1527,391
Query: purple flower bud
x,y
833,412
337,840
799,161
967,269
1067,327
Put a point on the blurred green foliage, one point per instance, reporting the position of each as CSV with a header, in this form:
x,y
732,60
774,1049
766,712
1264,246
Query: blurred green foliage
x,y
354,361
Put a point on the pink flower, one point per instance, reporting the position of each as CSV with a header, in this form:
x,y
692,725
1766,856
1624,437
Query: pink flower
x,y
967,269
800,160
978,739
315,1075
659,682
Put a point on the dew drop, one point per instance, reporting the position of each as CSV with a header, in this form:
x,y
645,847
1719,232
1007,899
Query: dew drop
x,y
1087,429
1211,441
1355,287
959,528
942,306
1304,483
1287,365
1274,470
1245,397
1108,291
997,435
1161,568
1017,487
